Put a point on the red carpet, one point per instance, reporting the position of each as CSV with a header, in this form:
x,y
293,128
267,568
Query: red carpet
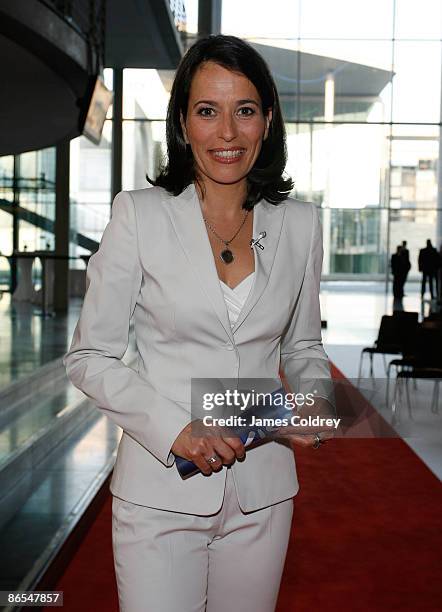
x,y
366,535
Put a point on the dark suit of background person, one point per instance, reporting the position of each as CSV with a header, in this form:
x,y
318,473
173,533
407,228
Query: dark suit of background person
x,y
428,264
399,270
439,276
406,254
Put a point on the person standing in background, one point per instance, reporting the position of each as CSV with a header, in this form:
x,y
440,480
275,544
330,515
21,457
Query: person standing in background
x,y
428,264
397,269
439,276
405,253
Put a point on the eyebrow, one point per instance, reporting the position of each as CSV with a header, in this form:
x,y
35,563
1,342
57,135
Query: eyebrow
x,y
213,103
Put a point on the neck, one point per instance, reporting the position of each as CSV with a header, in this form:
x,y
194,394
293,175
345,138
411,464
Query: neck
x,y
222,201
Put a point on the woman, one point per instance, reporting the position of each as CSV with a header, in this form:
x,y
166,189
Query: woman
x,y
206,305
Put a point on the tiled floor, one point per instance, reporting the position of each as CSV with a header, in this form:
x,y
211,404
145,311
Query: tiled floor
x,y
27,340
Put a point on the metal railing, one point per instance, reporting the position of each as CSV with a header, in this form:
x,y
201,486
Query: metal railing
x,y
88,18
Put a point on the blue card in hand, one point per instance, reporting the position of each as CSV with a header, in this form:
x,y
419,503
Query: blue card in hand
x,y
250,434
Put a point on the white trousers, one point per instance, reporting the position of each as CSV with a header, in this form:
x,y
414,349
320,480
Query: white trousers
x,y
167,561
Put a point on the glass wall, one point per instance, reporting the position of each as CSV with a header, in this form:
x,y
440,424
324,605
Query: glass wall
x,y
27,192
145,98
90,188
6,218
360,87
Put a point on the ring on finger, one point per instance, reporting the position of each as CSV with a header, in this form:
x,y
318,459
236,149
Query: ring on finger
x,y
212,459
317,443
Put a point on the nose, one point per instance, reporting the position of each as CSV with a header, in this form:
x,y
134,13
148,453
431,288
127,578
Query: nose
x,y
228,130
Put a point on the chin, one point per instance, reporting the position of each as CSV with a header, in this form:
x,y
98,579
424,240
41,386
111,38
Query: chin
x,y
228,176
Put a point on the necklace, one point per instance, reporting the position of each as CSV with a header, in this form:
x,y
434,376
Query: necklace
x,y
226,254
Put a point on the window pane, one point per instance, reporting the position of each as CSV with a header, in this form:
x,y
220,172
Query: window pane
x,y
418,19
414,171
359,74
5,248
416,84
6,178
249,18
346,19
36,194
414,226
341,166
144,143
191,16
144,94
90,193
34,238
354,241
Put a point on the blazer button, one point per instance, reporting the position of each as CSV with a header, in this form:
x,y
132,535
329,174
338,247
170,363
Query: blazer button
x,y
229,347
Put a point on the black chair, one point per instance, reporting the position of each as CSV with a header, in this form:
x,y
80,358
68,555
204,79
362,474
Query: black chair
x,y
392,337
425,362
407,330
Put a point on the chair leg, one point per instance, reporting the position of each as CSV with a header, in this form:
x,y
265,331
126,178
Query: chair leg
x,y
396,404
435,398
360,367
385,363
387,391
407,392
371,365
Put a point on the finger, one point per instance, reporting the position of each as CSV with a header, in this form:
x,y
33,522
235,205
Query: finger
x,y
299,441
214,461
223,449
291,430
236,444
203,465
199,453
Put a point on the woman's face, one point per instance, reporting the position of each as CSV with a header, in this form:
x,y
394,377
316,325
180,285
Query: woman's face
x,y
225,125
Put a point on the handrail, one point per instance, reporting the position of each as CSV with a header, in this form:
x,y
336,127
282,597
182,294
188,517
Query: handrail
x,y
87,18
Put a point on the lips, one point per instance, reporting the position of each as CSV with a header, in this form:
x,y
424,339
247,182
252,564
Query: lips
x,y
227,156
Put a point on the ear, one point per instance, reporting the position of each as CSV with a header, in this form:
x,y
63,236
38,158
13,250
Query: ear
x,y
268,120
183,127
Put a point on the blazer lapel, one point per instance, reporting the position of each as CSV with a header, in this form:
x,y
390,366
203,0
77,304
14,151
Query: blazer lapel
x,y
188,222
266,218
191,231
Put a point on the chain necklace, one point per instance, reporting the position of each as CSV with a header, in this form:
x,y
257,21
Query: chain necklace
x,y
226,254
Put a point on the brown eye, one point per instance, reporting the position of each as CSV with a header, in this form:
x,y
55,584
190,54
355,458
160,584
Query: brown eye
x,y
247,108
202,111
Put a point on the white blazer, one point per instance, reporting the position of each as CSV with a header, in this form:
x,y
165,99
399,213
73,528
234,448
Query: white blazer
x,y
155,263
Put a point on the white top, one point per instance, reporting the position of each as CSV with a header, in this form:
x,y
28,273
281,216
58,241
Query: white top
x,y
235,298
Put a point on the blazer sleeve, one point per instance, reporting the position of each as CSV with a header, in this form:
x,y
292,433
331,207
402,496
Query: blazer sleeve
x,y
304,361
94,361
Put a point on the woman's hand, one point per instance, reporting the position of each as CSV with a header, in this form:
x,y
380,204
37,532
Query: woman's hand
x,y
199,448
306,435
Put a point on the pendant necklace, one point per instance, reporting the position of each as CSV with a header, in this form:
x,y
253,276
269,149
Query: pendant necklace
x,y
226,254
